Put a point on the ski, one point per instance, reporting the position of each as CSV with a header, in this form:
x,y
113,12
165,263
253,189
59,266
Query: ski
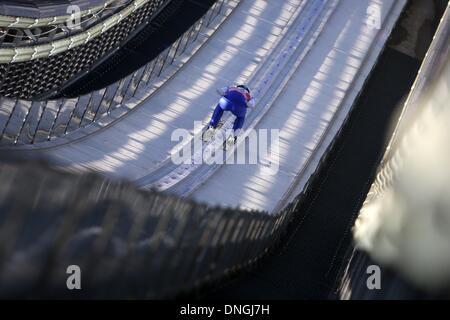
x,y
209,133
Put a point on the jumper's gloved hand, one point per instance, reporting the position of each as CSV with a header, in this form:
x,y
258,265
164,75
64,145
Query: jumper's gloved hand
x,y
251,103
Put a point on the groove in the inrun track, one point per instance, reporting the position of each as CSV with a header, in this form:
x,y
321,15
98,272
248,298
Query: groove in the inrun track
x,y
264,86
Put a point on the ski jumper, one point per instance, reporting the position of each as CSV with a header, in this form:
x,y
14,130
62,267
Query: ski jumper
x,y
235,100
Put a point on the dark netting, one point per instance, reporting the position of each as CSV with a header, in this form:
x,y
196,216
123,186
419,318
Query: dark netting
x,y
28,79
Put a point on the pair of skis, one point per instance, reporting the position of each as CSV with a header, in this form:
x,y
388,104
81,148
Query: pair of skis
x,y
209,133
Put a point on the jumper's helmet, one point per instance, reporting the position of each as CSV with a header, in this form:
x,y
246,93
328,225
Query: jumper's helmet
x,y
244,87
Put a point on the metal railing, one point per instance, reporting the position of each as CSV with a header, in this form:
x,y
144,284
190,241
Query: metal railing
x,y
29,122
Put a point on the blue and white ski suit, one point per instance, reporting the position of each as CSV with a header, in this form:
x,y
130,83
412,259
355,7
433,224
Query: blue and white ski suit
x,y
236,100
